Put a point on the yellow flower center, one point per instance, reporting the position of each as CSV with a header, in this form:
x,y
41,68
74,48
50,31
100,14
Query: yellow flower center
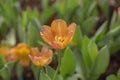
x,y
59,39
24,51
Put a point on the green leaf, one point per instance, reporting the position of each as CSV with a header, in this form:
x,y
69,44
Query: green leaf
x,y
89,24
118,74
87,5
50,71
4,73
85,54
33,34
101,63
111,77
1,21
100,32
73,77
104,5
113,32
44,76
81,67
45,4
19,71
36,71
113,20
68,64
47,14
2,61
92,50
111,39
11,65
92,9
68,5
24,21
118,2
78,40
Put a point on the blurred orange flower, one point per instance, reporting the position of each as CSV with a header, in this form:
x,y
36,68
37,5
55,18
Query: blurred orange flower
x,y
6,53
22,51
119,11
58,35
41,58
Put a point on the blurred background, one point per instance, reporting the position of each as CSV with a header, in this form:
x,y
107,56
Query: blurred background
x,y
20,21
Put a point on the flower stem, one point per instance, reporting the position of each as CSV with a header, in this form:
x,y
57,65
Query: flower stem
x,y
59,63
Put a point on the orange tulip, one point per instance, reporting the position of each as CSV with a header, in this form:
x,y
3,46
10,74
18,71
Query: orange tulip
x,y
22,50
13,56
58,35
41,58
6,53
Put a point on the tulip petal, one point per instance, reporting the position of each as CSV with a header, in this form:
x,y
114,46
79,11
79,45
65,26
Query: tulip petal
x,y
44,50
57,45
46,34
35,52
47,31
35,60
71,31
46,53
59,27
49,54
43,59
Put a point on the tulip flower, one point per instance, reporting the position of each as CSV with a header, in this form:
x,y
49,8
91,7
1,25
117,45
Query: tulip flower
x,y
58,35
4,51
41,58
22,50
7,54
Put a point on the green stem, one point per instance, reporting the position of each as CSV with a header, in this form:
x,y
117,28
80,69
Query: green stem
x,y
59,63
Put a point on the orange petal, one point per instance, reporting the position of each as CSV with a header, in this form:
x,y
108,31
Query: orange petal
x,y
40,61
47,31
13,55
59,27
57,45
49,54
41,58
46,34
4,51
35,52
44,50
44,37
71,31
34,60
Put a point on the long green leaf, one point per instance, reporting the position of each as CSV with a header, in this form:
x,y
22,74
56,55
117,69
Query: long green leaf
x,y
78,40
101,63
100,32
50,71
111,77
68,63
44,76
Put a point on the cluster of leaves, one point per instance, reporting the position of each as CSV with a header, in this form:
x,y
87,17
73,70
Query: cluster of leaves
x,y
87,60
